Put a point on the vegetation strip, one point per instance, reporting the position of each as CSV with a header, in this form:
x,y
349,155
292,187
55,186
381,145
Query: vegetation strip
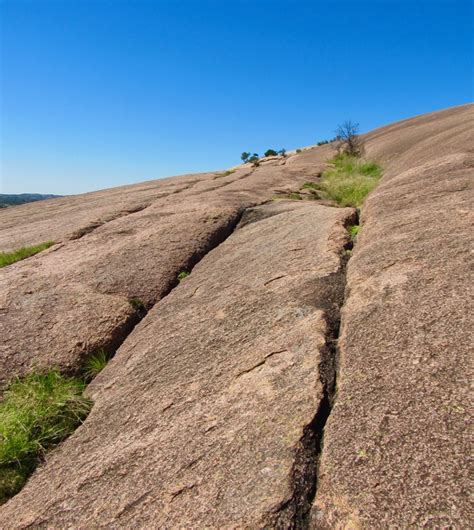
x,y
349,179
7,258
37,413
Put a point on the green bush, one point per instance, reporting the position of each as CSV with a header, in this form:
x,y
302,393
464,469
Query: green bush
x,y
350,179
7,258
270,152
182,275
254,159
37,412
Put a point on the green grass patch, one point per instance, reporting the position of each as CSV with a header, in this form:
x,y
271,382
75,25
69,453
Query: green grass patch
x,y
7,258
353,230
295,197
350,179
37,413
182,275
95,364
310,186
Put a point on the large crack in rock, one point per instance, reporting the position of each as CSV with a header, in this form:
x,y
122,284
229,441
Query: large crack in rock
x,y
397,440
295,512
64,304
199,418
59,307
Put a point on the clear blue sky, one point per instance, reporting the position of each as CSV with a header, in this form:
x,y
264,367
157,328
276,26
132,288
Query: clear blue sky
x,y
98,93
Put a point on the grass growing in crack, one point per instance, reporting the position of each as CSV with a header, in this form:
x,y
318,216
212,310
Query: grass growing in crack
x,y
137,304
310,186
95,364
182,276
225,173
353,230
7,258
295,197
37,412
350,179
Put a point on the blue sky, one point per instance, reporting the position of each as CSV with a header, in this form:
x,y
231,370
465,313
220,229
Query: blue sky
x,y
98,93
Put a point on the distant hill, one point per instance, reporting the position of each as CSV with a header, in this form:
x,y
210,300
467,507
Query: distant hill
x,y
22,198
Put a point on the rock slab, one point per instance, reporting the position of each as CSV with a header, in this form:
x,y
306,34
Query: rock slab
x,y
199,417
397,444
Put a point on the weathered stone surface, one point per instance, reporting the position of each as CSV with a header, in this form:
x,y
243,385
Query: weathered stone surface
x,y
71,217
198,418
60,219
397,444
58,307
198,421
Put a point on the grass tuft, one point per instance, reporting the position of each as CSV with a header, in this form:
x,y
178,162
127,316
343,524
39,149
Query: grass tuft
x,y
95,364
350,179
310,186
37,412
295,197
182,275
225,173
137,303
7,258
353,230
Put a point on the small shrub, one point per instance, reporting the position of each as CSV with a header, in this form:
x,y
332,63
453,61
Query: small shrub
x,y
254,160
37,413
323,142
182,275
282,152
7,258
95,364
270,152
298,151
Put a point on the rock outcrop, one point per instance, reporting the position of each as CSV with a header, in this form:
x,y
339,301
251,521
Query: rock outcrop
x,y
201,415
67,303
212,413
397,442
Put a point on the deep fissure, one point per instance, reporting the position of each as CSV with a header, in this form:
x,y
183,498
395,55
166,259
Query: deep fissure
x,y
122,332
295,513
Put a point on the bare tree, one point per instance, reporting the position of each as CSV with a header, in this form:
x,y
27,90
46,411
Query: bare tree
x,y
349,141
